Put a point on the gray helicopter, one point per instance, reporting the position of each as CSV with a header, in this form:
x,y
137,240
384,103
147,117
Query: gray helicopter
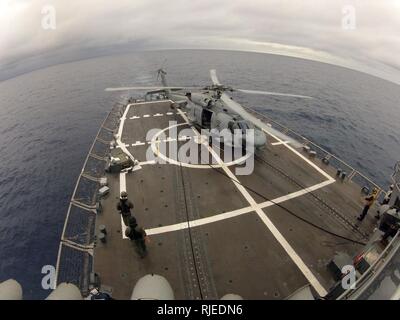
x,y
212,108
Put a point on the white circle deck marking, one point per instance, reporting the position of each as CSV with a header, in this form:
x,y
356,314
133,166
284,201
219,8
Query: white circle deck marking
x,y
154,142
253,205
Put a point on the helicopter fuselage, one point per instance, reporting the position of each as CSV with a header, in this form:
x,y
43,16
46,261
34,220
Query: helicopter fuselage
x,y
206,110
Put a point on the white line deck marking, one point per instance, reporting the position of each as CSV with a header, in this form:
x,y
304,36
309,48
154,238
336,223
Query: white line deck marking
x,y
198,222
122,182
123,146
293,255
154,115
295,194
301,156
185,164
279,143
122,187
138,143
147,162
184,138
169,139
278,236
119,134
234,213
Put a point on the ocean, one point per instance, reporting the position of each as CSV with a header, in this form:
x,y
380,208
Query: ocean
x,y
49,118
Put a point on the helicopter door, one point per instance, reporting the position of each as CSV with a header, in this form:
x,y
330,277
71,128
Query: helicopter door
x,y
197,112
206,118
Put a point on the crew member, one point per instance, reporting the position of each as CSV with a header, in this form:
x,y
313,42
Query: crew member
x,y
124,207
390,232
388,195
369,201
96,294
137,234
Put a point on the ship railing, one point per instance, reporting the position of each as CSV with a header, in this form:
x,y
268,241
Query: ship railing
x,y
75,254
374,268
396,176
349,173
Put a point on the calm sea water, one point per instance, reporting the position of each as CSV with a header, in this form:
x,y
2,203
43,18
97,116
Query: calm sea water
x,y
49,118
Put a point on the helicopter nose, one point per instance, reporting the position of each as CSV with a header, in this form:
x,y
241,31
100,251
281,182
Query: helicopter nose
x,y
260,139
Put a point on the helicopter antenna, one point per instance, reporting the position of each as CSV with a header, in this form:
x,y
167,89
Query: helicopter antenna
x,y
161,73
162,69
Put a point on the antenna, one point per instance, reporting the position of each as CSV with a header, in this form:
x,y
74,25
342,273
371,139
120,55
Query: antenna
x,y
162,69
161,73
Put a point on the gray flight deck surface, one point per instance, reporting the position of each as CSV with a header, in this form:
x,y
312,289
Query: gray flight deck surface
x,y
213,232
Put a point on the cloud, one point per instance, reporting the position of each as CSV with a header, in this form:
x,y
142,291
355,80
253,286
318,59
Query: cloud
x,y
309,28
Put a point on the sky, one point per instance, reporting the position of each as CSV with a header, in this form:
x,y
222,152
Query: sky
x,y
360,34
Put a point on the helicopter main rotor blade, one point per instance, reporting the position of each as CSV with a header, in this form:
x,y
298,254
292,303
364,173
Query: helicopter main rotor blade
x,y
214,78
149,88
239,110
269,93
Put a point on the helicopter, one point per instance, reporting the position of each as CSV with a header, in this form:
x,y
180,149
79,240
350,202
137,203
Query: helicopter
x,y
211,108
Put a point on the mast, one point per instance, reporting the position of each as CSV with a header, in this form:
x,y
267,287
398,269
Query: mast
x,y
162,73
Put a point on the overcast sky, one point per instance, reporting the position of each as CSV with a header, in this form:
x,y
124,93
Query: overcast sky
x,y
321,30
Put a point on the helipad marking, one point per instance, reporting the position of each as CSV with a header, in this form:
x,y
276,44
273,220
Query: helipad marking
x,y
122,181
184,164
184,138
234,213
169,139
295,194
293,255
122,187
119,134
147,162
198,222
138,143
279,143
301,156
278,236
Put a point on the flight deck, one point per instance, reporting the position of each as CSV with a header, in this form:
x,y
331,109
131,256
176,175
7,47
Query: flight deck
x,y
213,232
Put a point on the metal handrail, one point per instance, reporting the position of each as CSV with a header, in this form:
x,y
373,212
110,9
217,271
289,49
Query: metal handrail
x,y
396,174
73,196
369,272
306,141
